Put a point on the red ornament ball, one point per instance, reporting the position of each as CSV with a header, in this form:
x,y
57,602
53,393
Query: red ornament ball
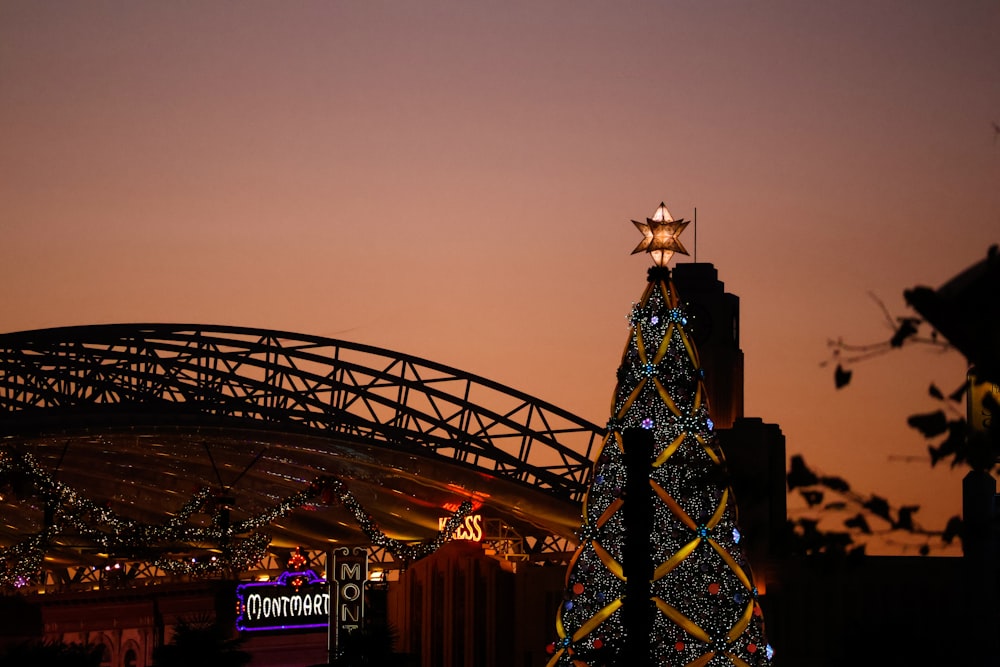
x,y
679,646
598,643
713,588
550,649
577,588
752,647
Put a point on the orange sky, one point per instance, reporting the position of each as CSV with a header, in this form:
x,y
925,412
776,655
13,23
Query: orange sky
x,y
455,180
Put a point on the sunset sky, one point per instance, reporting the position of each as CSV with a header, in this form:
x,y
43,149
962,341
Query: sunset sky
x,y
455,180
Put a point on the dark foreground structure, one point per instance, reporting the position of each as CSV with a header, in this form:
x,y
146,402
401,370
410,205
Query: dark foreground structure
x,y
138,418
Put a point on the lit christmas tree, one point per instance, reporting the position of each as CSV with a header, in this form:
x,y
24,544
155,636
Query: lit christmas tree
x,y
659,577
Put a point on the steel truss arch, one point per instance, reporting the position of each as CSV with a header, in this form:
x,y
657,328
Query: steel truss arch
x,y
142,374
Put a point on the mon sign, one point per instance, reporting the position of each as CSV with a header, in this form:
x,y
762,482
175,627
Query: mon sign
x,y
295,600
350,571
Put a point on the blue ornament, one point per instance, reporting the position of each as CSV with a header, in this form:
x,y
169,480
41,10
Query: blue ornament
x,y
736,535
647,423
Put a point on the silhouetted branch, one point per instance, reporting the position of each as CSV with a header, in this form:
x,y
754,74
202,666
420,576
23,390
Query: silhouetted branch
x,y
906,331
962,316
814,488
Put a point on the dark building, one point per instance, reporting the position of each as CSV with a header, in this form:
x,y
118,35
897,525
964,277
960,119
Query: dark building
x,y
755,450
461,607
714,323
465,606
827,610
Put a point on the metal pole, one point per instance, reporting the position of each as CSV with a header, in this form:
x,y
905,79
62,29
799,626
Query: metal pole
x,y
331,628
695,234
638,612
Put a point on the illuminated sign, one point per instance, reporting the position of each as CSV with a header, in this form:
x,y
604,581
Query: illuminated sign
x,y
295,600
350,571
980,416
298,600
471,529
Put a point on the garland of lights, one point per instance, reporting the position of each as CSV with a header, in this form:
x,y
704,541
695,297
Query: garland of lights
x,y
238,556
402,551
21,562
240,546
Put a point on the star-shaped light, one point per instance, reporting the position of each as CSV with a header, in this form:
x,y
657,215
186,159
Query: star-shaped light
x,y
660,236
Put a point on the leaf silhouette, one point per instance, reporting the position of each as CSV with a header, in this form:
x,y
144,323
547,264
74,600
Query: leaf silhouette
x,y
835,484
878,506
957,444
929,424
799,474
905,521
935,392
858,521
936,453
907,328
952,530
841,377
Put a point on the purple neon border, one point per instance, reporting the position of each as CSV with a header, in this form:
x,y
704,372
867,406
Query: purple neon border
x,y
311,579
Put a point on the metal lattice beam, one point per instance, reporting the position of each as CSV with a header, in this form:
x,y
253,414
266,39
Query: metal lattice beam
x,y
156,374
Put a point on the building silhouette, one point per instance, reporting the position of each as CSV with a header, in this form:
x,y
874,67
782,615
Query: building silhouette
x,y
465,606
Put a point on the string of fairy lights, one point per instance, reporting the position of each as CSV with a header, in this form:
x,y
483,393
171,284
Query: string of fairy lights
x,y
222,546
702,600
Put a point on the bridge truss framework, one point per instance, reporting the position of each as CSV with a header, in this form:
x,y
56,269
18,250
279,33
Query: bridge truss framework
x,y
140,378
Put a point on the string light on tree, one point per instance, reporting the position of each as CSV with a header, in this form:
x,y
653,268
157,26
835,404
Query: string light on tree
x,y
692,603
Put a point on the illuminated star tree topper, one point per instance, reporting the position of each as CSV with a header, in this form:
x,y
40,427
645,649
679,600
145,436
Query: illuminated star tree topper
x,y
660,236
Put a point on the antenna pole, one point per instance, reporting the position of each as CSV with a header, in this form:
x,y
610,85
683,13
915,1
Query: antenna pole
x,y
695,234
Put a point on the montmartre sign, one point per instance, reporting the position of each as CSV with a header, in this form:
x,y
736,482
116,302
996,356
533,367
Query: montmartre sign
x,y
296,600
299,600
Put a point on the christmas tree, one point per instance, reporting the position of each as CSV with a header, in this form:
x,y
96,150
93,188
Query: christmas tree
x,y
659,577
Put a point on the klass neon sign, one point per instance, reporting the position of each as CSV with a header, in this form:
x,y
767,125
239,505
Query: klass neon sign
x,y
470,529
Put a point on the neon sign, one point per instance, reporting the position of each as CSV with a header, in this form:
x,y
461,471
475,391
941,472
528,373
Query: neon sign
x,y
980,417
350,571
471,529
296,600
